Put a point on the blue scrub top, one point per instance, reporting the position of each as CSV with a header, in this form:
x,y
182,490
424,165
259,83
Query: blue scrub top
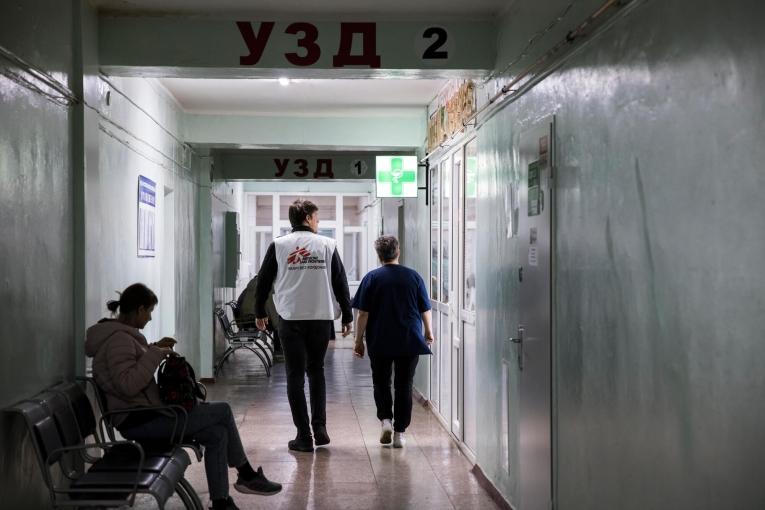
x,y
395,297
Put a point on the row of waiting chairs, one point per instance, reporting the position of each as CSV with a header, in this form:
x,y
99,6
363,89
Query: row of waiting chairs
x,y
64,432
243,334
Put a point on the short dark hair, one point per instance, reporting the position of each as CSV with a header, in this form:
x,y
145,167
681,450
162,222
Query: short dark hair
x,y
300,210
132,298
387,248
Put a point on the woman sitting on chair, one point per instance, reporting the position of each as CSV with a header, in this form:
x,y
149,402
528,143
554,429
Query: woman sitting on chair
x,y
123,368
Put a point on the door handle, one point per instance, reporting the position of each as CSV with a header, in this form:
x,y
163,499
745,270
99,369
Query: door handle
x,y
519,341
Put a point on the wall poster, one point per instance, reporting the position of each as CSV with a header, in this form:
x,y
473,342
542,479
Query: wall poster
x,y
147,208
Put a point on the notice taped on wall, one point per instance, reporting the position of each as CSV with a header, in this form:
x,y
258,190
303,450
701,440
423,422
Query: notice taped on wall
x,y
147,206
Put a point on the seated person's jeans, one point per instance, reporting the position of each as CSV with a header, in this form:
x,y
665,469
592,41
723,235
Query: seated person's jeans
x,y
213,425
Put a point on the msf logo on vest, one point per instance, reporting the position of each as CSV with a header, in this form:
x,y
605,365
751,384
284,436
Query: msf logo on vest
x,y
298,256
301,258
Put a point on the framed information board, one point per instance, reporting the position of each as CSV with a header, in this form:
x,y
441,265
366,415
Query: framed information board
x,y
147,209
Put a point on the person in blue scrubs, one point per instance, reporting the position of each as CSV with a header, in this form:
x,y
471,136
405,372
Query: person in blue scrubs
x,y
394,312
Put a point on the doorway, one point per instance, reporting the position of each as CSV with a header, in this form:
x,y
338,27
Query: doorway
x,y
533,337
453,227
167,282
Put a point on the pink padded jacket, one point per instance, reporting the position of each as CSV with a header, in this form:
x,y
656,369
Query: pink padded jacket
x,y
123,365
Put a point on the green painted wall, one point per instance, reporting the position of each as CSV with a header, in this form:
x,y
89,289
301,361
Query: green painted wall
x,y
36,227
659,288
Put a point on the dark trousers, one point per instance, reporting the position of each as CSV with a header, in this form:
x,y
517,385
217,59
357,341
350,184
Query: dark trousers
x,y
277,342
305,344
213,425
400,408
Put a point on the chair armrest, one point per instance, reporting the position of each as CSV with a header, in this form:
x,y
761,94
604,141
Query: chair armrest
x,y
102,446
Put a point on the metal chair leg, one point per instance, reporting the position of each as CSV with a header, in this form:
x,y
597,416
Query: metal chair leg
x,y
184,496
265,353
265,364
256,341
192,500
268,344
223,358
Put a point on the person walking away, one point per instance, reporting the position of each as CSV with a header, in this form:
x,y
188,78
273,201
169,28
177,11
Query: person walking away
x,y
393,307
310,291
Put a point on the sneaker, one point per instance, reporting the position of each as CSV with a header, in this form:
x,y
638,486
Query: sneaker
x,y
301,444
320,436
259,484
386,433
399,440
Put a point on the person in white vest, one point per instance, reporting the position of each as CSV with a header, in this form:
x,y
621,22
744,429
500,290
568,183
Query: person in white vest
x,y
310,291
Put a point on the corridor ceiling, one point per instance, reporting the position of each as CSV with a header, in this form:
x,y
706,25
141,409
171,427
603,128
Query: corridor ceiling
x,y
348,98
314,97
422,9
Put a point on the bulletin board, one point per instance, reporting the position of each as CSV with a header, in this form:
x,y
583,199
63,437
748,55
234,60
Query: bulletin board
x,y
147,214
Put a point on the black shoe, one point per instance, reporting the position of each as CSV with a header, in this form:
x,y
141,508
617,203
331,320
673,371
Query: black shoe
x,y
301,444
227,504
258,484
320,436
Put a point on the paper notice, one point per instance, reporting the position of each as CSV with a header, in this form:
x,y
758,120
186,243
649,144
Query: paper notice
x,y
533,259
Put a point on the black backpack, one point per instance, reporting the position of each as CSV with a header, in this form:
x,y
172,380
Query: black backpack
x,y
178,384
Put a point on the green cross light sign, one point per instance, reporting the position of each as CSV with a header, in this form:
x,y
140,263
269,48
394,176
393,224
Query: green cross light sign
x,y
396,176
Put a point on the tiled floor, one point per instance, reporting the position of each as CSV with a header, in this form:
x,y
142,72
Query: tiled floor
x,y
354,471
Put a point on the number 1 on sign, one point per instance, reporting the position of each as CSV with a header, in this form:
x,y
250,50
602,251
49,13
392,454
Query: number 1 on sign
x,y
359,167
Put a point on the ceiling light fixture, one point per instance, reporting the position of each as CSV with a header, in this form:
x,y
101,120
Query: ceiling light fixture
x,y
284,82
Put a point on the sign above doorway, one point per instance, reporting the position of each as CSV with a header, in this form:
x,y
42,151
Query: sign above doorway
x,y
227,48
242,164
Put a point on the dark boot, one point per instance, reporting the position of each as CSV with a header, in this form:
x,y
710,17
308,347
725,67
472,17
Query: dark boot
x,y
301,444
320,435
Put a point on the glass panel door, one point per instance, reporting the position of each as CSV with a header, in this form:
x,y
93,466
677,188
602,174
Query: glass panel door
x,y
352,258
455,294
446,267
467,295
435,283
453,211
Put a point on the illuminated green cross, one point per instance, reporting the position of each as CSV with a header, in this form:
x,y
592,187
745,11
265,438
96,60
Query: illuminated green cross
x,y
396,176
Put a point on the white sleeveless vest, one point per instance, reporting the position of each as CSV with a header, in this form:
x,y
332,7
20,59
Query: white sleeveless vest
x,y
303,285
